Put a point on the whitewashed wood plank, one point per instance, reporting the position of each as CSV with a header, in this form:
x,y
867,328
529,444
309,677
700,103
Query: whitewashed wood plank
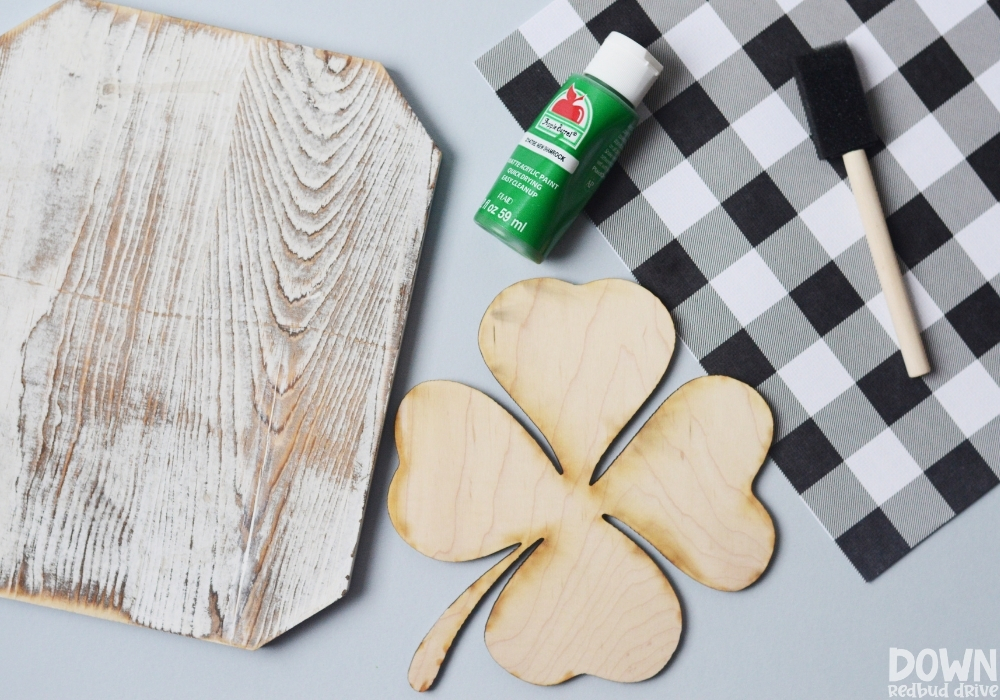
x,y
208,246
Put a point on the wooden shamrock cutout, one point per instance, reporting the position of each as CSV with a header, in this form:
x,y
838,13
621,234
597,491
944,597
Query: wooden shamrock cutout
x,y
580,361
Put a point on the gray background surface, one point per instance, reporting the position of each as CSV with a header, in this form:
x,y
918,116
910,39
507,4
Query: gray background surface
x,y
810,628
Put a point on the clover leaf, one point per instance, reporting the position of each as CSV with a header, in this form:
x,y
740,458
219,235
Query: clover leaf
x,y
580,361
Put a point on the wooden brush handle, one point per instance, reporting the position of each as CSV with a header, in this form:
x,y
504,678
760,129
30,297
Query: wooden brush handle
x,y
886,265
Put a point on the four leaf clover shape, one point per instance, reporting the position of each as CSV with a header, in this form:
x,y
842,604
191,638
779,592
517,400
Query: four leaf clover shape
x,y
472,481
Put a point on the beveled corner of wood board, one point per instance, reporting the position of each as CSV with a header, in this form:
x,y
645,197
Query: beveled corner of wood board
x,y
402,292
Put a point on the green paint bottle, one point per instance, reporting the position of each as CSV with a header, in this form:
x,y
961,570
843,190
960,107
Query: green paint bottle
x,y
567,152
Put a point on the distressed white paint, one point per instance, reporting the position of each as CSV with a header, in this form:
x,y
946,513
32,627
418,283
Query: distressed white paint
x,y
207,247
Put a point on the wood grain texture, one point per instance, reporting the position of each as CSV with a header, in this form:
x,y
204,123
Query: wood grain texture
x,y
208,246
600,348
904,320
435,646
580,360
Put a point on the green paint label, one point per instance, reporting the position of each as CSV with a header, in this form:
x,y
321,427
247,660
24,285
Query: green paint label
x,y
568,117
551,151
557,166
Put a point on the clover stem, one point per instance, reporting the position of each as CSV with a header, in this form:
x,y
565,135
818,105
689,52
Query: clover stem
x,y
435,647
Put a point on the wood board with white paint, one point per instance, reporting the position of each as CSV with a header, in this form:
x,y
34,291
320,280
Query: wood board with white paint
x,y
208,242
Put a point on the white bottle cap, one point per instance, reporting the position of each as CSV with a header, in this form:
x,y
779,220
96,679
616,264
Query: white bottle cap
x,y
625,66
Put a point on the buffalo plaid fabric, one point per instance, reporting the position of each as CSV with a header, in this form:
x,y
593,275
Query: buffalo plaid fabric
x,y
720,206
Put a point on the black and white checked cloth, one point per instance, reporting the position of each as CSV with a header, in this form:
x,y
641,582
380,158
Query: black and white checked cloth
x,y
720,206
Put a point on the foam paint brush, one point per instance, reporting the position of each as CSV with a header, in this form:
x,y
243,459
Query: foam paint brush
x,y
835,106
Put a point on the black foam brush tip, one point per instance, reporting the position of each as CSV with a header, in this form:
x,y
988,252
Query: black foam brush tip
x,y
834,100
